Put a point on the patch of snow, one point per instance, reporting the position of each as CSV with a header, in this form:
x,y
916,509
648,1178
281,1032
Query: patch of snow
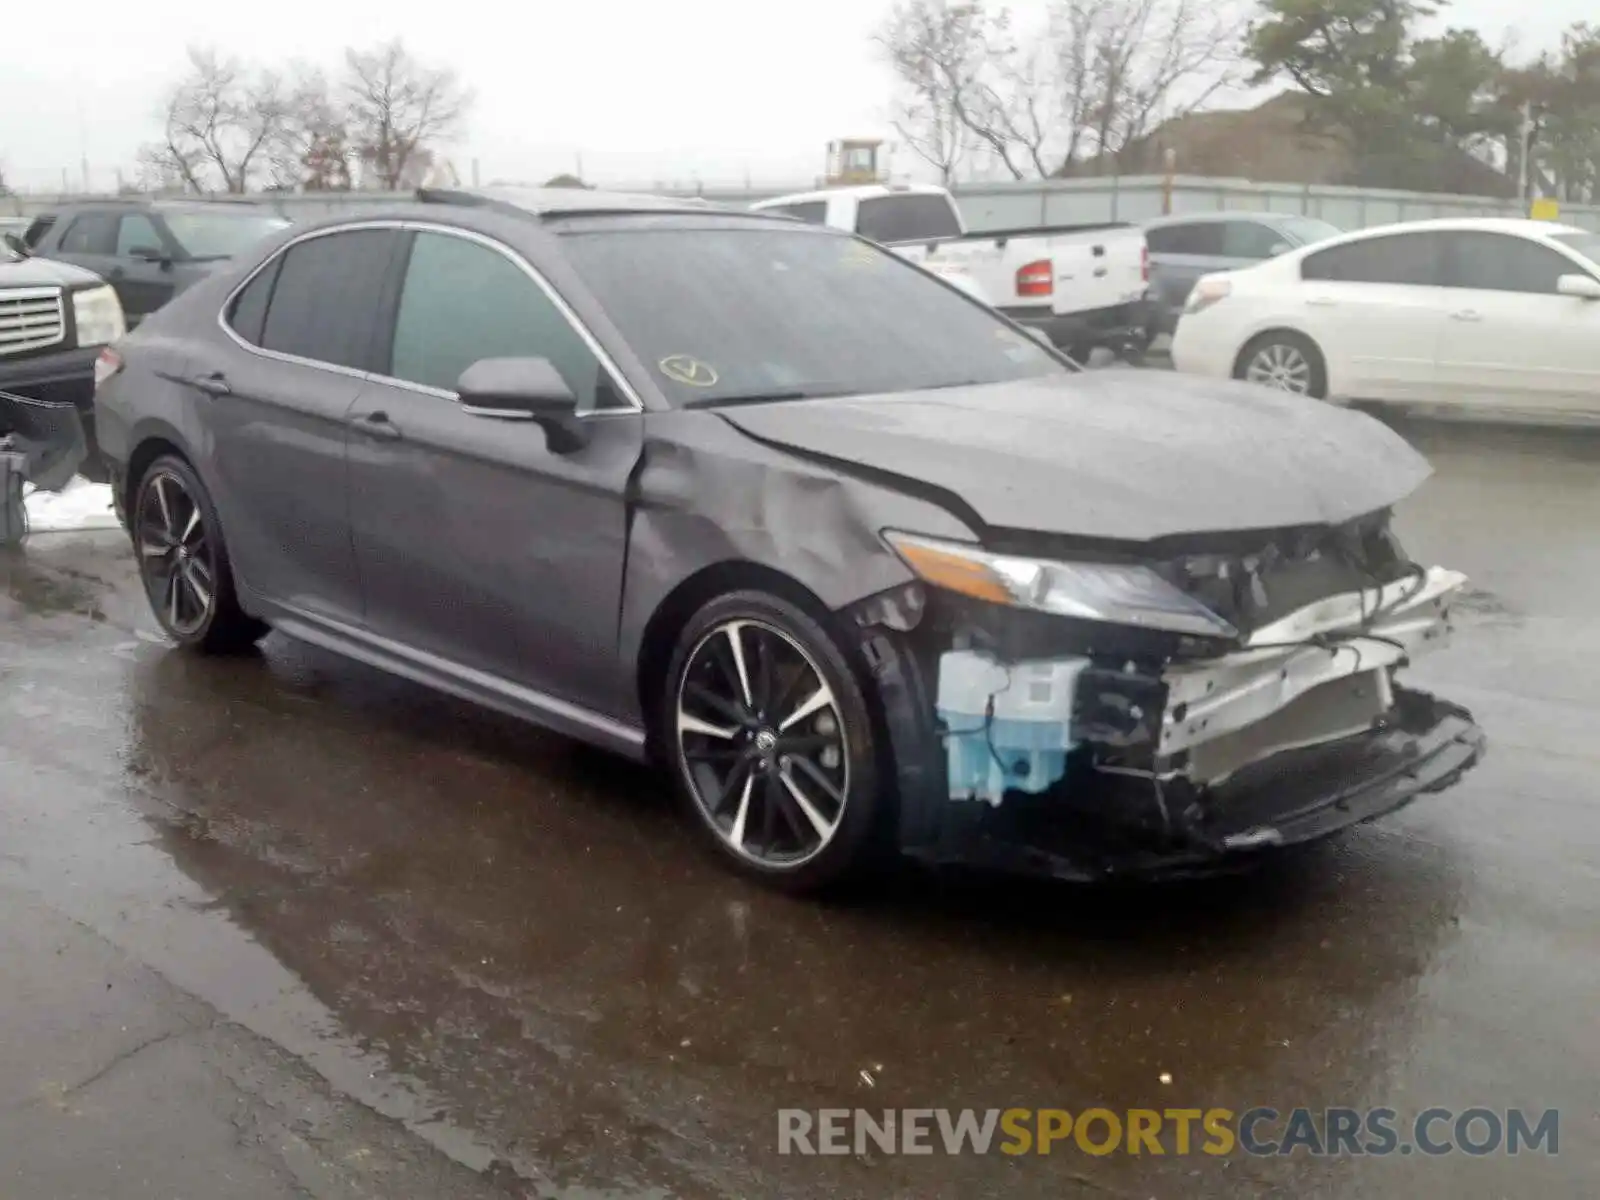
x,y
79,505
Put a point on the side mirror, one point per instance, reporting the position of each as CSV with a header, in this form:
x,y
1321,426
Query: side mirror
x,y
523,389
151,254
1583,287
17,246
1278,248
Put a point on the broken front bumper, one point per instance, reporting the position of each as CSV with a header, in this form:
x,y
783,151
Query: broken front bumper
x,y
1201,765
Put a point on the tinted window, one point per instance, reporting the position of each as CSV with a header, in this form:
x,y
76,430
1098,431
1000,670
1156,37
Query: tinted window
x,y
1406,258
765,309
92,233
1251,239
326,295
911,217
248,315
1496,262
135,231
463,301
1201,237
37,230
816,211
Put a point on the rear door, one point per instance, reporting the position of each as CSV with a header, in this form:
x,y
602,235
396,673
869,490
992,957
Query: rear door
x,y
1376,308
477,543
88,239
1509,338
276,392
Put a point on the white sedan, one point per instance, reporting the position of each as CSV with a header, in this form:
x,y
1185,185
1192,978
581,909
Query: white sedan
x,y
1501,314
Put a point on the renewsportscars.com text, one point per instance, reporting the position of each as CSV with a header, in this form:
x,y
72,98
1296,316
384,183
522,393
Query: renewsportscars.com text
x,y
1260,1131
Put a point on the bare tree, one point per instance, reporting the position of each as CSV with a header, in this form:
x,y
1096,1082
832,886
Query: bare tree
x,y
1092,83
219,124
313,151
397,106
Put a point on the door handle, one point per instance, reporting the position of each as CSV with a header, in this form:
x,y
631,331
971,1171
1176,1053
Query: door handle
x,y
377,425
1467,314
214,384
1322,302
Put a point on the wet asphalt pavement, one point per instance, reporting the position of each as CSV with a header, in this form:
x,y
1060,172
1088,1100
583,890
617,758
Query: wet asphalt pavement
x,y
329,935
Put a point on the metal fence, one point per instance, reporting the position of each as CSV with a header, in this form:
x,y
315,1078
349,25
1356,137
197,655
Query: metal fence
x,y
1045,202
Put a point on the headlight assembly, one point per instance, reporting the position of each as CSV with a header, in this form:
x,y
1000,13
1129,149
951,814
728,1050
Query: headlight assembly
x,y
97,313
1117,593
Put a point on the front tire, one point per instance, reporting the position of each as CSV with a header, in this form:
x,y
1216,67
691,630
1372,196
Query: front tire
x,y
1286,362
183,561
772,744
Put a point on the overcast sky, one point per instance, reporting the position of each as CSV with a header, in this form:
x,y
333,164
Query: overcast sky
x,y
644,91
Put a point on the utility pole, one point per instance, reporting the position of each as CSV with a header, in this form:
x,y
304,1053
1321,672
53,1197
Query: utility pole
x,y
1525,175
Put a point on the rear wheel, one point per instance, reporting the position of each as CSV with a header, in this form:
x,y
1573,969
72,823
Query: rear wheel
x,y
772,742
183,561
1285,362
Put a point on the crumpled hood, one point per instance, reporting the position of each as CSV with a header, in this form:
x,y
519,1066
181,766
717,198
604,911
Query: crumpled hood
x,y
1120,455
43,272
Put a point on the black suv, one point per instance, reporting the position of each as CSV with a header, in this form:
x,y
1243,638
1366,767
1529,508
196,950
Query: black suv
x,y
54,320
150,250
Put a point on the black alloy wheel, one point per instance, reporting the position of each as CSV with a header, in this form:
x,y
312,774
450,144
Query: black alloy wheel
x,y
773,742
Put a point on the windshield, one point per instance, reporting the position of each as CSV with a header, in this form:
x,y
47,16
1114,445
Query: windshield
x,y
790,313
1307,230
1586,244
221,234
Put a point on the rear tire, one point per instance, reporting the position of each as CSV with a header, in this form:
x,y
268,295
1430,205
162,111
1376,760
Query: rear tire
x,y
1284,361
184,564
772,744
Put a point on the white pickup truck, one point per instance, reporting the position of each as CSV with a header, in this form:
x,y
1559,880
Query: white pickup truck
x,y
1081,285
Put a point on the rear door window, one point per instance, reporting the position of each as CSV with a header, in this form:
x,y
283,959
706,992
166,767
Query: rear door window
x,y
1497,262
91,233
1416,259
908,217
463,301
325,300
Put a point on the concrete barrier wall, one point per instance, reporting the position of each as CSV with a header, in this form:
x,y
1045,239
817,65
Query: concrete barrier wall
x,y
1047,202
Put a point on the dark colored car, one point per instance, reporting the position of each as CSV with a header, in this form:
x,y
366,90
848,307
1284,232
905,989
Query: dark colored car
x,y
54,320
1183,248
856,558
150,250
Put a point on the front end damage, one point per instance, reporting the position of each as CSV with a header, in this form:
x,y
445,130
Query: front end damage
x,y
1089,749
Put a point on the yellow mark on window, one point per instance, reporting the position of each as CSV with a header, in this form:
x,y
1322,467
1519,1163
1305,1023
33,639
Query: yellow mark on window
x,y
689,371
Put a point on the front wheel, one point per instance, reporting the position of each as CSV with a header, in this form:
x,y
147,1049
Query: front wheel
x,y
1285,362
183,561
772,742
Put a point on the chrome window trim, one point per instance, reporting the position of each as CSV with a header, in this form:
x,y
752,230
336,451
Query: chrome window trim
x,y
624,386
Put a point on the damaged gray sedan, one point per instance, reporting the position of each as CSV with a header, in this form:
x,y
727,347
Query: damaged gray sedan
x,y
854,558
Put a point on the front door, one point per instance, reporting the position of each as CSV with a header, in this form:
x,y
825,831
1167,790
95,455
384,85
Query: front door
x,y
476,543
1510,340
276,396
143,272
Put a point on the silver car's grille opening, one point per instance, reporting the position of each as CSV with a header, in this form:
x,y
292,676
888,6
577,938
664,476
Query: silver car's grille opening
x,y
30,319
